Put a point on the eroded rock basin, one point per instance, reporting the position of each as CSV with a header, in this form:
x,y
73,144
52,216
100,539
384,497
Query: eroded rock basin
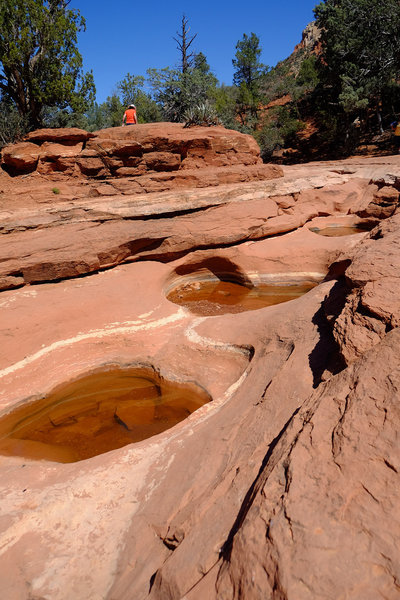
x,y
338,230
209,295
295,456
97,413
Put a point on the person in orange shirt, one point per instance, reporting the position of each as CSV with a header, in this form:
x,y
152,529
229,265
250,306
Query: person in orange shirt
x,y
130,116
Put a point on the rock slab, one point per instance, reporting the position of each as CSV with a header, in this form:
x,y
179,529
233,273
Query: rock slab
x,y
285,486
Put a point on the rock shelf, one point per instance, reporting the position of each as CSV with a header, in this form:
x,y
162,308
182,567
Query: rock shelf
x,y
286,483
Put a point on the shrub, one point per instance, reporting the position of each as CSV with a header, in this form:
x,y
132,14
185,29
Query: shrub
x,y
201,114
12,126
279,131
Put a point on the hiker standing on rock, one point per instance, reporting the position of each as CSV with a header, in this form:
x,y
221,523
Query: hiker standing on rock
x,y
130,116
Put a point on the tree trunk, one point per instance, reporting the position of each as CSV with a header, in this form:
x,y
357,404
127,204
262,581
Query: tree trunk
x,y
379,115
184,44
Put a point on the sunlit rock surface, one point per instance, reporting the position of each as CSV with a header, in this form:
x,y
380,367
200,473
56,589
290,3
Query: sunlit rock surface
x,y
282,482
170,155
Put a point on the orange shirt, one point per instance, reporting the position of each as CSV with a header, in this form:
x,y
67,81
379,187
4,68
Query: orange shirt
x,y
130,114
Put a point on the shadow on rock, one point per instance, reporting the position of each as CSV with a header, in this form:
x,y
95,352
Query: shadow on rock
x,y
326,359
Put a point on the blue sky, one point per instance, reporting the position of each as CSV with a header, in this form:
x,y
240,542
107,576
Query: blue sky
x,y
126,36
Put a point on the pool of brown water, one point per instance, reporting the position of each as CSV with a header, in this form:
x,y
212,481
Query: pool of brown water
x,y
210,297
341,230
97,413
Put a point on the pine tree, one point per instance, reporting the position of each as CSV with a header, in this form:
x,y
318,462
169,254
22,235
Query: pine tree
x,y
360,49
40,65
179,91
247,77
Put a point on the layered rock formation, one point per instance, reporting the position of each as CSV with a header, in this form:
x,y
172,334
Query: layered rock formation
x,y
310,39
285,485
158,156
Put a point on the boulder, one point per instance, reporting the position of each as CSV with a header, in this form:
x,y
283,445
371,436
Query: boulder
x,y
384,203
113,147
56,158
66,135
91,167
162,161
64,165
371,306
52,151
208,142
22,157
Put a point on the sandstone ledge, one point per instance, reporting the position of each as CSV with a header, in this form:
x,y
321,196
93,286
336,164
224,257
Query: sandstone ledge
x,y
81,235
129,151
286,485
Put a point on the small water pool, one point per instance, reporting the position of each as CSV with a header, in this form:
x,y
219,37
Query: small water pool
x,y
209,295
337,230
97,413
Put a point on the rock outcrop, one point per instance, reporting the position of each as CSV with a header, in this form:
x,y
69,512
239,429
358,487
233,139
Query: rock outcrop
x,y
310,39
157,156
285,485
99,235
72,235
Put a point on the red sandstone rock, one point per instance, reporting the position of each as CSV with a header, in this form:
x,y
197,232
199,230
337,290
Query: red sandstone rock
x,y
173,137
372,306
58,158
22,157
285,485
106,240
120,170
385,202
309,529
51,151
91,166
64,165
115,147
162,161
167,147
65,135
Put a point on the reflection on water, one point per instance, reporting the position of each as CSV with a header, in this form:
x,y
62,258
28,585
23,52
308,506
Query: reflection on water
x,y
97,413
341,230
215,297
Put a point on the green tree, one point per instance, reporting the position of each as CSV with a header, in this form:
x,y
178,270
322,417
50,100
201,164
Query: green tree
x,y
106,114
40,65
112,110
12,125
247,65
199,81
131,92
225,98
308,76
178,92
95,117
360,50
129,88
279,130
185,89
247,77
166,86
53,116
